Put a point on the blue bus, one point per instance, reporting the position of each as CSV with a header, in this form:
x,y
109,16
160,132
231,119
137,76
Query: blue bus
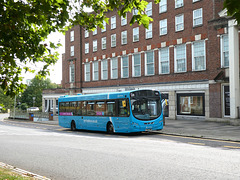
x,y
118,112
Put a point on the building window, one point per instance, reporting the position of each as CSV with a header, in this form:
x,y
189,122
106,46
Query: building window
x,y
113,40
191,104
136,63
179,22
199,62
225,50
113,22
149,63
94,45
86,33
104,67
95,70
197,17
163,6
72,36
136,34
195,1
86,48
135,11
125,67
104,26
149,31
123,20
178,3
104,43
87,72
180,58
95,31
71,72
163,27
149,9
124,37
114,68
72,50
164,61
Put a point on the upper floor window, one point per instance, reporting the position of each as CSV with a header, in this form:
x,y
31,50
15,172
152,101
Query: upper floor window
x,y
136,64
149,31
134,11
114,68
163,6
225,50
178,3
163,27
149,9
113,22
179,22
124,20
180,58
164,61
72,50
104,42
94,45
196,0
71,72
104,67
197,17
72,36
135,34
125,67
113,40
86,48
86,33
95,70
95,31
149,63
104,26
124,37
87,72
199,62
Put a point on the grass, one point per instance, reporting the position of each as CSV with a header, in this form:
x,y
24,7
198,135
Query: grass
x,y
6,174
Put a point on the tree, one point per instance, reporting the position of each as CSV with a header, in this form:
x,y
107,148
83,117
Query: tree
x,y
32,95
6,102
233,9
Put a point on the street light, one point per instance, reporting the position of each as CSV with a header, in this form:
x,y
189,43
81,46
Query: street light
x,y
34,100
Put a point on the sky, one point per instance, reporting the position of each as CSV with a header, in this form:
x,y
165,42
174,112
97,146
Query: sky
x,y
55,70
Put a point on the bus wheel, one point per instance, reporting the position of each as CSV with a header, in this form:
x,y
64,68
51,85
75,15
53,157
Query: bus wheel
x,y
73,126
110,128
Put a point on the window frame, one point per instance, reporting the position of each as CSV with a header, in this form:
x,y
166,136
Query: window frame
x,y
104,45
164,27
86,48
103,70
87,73
200,17
124,67
164,61
95,45
136,28
95,70
123,21
179,5
72,36
134,65
113,45
177,24
146,63
222,50
124,37
113,68
175,58
148,9
71,50
193,56
147,31
113,22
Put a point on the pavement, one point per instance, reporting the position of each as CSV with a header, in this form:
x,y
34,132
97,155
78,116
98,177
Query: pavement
x,y
191,128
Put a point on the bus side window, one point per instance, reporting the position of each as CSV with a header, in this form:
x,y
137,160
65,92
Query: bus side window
x,y
84,108
91,108
100,108
79,108
123,107
67,106
111,108
72,108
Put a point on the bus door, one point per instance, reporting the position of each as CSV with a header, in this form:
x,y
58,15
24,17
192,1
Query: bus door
x,y
123,118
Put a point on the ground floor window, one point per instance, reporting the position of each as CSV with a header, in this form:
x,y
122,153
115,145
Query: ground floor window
x,y
191,104
226,100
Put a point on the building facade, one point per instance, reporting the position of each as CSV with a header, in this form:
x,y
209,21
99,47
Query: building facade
x,y
190,52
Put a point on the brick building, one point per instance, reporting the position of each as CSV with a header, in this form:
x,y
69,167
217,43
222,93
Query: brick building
x,y
189,52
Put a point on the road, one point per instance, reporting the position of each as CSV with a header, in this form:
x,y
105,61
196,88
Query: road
x,y
58,153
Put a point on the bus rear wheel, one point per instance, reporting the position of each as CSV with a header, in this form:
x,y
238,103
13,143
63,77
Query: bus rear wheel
x,y
110,128
73,126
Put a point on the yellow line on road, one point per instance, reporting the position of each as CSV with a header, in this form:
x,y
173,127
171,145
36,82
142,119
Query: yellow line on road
x,y
196,143
235,147
61,129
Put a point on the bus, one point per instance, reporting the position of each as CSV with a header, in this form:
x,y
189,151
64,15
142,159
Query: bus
x,y
117,112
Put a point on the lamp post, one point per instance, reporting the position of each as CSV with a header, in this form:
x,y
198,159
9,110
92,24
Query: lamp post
x,y
34,101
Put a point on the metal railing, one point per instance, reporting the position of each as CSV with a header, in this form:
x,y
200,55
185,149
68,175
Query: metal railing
x,y
37,116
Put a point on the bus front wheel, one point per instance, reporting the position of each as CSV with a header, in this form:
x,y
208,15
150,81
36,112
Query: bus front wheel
x,y
110,128
73,126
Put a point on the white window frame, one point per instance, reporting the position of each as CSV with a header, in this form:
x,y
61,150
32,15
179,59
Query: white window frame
x,y
164,60
149,34
123,20
104,71
134,11
149,9
195,1
163,6
179,3
104,43
194,55
71,73
223,51
113,68
162,28
95,70
124,67
86,33
95,31
72,50
87,65
113,22
149,63
177,59
136,34
177,24
113,43
198,17
124,37
104,26
136,65
86,48
72,36
94,45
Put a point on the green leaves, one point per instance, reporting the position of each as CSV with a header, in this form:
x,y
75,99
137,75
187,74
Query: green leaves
x,y
233,7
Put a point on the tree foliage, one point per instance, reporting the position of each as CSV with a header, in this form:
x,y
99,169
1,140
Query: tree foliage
x,y
233,9
6,102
